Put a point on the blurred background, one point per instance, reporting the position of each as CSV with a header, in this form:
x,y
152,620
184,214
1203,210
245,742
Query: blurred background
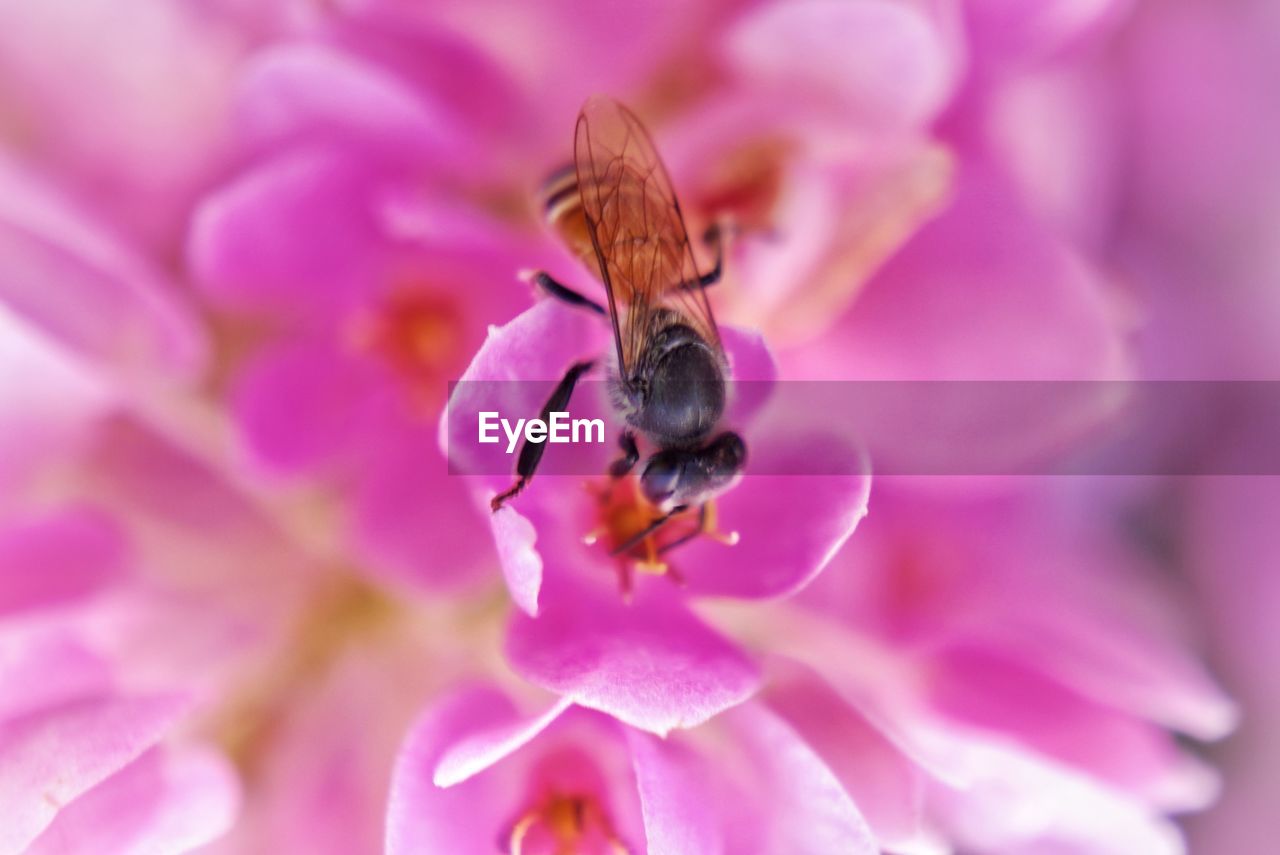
x,y
244,247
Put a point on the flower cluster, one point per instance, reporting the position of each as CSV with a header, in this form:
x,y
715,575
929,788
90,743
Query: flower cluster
x,y
253,593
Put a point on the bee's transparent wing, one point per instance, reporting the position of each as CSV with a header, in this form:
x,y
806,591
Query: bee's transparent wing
x,y
636,229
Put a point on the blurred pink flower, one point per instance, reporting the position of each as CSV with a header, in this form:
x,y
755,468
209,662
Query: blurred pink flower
x,y
273,648
128,111
1003,275
1235,559
108,305
239,629
374,307
368,310
475,775
1027,660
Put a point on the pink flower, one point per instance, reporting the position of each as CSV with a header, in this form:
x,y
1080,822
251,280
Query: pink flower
x,y
475,774
999,641
577,635
375,302
135,718
386,152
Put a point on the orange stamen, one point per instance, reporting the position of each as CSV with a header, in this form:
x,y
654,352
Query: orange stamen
x,y
568,819
625,513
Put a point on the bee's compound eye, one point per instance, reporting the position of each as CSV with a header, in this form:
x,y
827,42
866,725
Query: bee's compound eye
x,y
728,453
661,478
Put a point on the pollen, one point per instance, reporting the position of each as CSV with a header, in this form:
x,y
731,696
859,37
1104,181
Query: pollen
x,y
641,536
565,824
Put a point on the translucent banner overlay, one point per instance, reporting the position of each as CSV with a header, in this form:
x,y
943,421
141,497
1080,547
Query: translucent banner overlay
x,y
942,428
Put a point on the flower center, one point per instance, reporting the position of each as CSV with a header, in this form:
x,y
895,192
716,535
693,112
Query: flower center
x,y
640,535
419,335
565,824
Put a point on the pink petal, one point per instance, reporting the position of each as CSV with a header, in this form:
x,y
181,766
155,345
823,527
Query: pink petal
x,y
569,50
1058,135
648,663
1145,673
1005,572
1015,802
58,559
132,111
985,689
802,809
479,740
478,751
674,786
885,63
540,344
306,404
512,374
789,525
1094,616
42,669
295,91
465,80
521,564
52,757
1233,547
414,522
70,277
980,293
163,802
321,780
1006,31
42,420
297,235
181,491
887,787
422,817
752,370
1204,166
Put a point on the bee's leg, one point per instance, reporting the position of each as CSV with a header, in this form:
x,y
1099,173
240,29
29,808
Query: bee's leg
x,y
563,293
652,528
688,536
707,526
714,237
630,455
531,452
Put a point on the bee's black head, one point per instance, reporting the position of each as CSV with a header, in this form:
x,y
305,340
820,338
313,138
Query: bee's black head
x,y
686,477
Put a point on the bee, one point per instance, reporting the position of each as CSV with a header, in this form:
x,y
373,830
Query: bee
x,y
616,210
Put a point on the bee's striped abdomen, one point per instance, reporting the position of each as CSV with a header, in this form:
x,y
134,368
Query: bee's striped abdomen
x,y
563,211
